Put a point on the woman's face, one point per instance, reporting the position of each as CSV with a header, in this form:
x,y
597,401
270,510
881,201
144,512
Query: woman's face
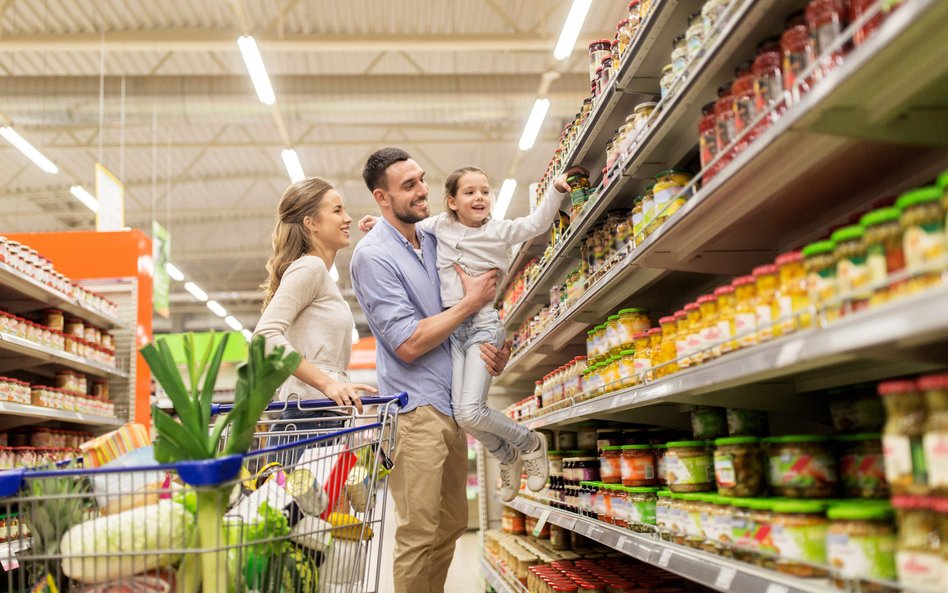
x,y
330,226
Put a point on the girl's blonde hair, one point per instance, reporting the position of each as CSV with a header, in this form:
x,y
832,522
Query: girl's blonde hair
x,y
291,239
451,185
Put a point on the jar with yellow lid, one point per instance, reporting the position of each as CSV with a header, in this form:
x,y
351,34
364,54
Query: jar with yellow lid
x,y
744,327
627,373
766,284
923,225
668,351
820,267
884,254
727,308
648,209
681,339
693,341
643,355
669,194
631,322
789,311
852,273
655,345
613,336
710,327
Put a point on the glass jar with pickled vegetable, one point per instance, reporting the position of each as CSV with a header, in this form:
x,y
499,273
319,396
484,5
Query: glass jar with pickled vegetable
x,y
691,505
624,36
663,512
669,351
768,78
861,543
635,16
669,194
612,374
711,13
767,284
641,113
638,465
693,352
862,466
935,441
613,335
761,531
742,530
746,423
792,300
598,50
820,267
602,345
610,465
739,468
707,143
667,80
632,321
743,100
648,209
679,54
592,351
802,466
655,345
694,35
923,227
643,502
690,466
744,327
710,337
719,529
852,273
799,531
902,436
918,559
884,255
643,356
826,20
638,219
681,338
727,308
627,372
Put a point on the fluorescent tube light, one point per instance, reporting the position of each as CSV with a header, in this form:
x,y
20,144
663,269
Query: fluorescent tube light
x,y
195,291
87,199
232,322
291,161
20,143
258,72
173,271
503,199
571,28
334,273
217,308
247,334
534,123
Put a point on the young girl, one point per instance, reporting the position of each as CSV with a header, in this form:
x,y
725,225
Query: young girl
x,y
469,237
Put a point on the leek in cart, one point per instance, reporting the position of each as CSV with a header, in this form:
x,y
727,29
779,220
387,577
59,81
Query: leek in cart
x,y
189,439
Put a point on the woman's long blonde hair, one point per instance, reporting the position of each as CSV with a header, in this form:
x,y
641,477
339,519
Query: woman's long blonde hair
x,y
291,239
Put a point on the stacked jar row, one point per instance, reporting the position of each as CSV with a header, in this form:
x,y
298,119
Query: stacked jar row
x,y
71,401
16,457
615,575
44,437
58,339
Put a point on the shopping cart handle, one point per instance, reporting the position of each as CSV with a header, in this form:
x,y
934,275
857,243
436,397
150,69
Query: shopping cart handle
x,y
312,404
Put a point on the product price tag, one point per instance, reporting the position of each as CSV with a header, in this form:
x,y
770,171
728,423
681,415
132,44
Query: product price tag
x,y
725,578
776,588
9,564
595,533
616,401
666,557
569,524
628,398
541,523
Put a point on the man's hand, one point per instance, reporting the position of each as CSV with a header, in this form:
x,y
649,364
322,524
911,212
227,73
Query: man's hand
x,y
367,222
480,290
560,182
495,359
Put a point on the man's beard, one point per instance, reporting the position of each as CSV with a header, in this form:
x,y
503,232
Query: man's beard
x,y
407,216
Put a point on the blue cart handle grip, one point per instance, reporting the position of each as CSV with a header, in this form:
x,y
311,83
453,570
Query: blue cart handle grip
x,y
314,404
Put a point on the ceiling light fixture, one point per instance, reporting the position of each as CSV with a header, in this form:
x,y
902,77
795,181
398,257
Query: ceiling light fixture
x,y
291,161
534,122
173,271
571,28
232,322
20,143
504,197
217,308
255,67
195,291
87,199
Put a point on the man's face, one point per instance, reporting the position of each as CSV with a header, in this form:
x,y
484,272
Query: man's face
x,y
407,191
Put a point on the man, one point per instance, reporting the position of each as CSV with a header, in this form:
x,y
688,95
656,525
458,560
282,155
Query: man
x,y
396,282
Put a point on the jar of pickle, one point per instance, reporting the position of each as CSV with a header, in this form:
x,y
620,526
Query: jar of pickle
x,y
768,77
802,466
744,327
667,80
640,115
611,374
739,468
679,54
602,345
693,353
638,465
690,466
902,436
592,350
923,227
918,558
643,507
799,530
798,54
655,345
861,544
606,72
820,265
669,192
624,34
610,465
852,273
638,219
884,255
681,339
627,375
624,239
648,209
767,285
710,335
668,352
635,16
711,14
727,307
707,143
792,300
861,465
642,358
935,441
724,118
694,35
613,336
859,8
762,519
632,321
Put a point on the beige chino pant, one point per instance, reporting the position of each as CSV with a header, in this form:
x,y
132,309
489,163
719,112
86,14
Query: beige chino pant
x,y
429,487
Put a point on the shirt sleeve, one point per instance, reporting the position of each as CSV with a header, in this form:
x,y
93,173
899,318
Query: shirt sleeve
x,y
520,229
382,295
298,288
428,225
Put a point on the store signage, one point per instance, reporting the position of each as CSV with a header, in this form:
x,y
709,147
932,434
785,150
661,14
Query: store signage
x,y
161,254
111,195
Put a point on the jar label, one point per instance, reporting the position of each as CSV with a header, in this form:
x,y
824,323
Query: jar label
x,y
936,458
681,347
740,534
638,468
784,312
724,470
643,512
744,326
870,556
852,275
802,470
863,474
661,515
642,365
693,523
693,343
724,329
807,543
876,264
720,529
898,459
918,569
923,244
610,469
765,321
689,470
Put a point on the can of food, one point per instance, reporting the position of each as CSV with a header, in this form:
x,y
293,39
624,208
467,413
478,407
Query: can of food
x,y
358,488
307,492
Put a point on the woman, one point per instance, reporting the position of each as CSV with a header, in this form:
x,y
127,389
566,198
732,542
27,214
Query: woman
x,y
302,307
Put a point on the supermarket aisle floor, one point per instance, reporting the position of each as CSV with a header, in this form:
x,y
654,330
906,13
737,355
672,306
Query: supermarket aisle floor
x,y
465,574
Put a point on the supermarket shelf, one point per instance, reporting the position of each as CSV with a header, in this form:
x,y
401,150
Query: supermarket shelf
x,y
20,293
710,570
857,348
26,411
10,548
496,580
19,354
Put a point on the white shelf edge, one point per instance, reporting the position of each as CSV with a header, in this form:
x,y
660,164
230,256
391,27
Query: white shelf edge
x,y
48,355
494,578
30,411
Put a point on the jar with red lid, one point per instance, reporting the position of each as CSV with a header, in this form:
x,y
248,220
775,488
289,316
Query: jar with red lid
x,y
605,75
768,82
798,53
598,50
724,117
860,8
707,138
744,102
826,20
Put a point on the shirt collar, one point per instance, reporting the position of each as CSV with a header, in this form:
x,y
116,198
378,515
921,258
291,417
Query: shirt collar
x,y
422,236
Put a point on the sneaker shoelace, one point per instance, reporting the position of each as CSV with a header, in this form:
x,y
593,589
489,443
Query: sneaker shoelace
x,y
506,475
532,466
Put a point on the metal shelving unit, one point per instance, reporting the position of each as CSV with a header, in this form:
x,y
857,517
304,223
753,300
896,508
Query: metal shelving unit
x,y
496,580
19,354
40,413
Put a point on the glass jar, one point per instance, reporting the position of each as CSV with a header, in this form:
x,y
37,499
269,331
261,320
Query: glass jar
x,y
744,326
661,466
727,308
935,441
643,507
884,255
761,531
799,530
631,322
638,219
693,339
820,265
614,336
605,72
668,352
923,228
610,465
628,376
638,465
802,466
602,344
642,357
746,423
861,543
902,436
612,380
798,53
710,336
655,345
679,54
694,35
681,339
711,14
667,80
724,118
663,512
742,530
74,327
559,538
918,560
792,301
623,36
767,284
635,16
598,50
739,468
708,422
669,194
648,208
852,273
768,78
690,466
862,466
860,8
743,100
826,20
719,528
640,115
707,137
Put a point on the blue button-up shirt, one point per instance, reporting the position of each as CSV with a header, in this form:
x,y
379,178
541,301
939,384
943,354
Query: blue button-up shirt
x,y
397,290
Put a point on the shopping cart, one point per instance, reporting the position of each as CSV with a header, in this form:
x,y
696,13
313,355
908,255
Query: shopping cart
x,y
305,513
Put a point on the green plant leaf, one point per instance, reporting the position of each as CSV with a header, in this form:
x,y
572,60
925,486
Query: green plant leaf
x,y
220,425
193,377
189,413
180,437
213,368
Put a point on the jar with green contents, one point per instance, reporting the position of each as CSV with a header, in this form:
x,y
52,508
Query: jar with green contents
x,y
884,255
902,437
638,219
798,533
669,197
923,239
802,466
677,519
852,272
918,558
692,506
861,544
643,508
632,321
820,267
648,209
862,466
613,336
739,468
935,441
627,375
762,518
742,530
690,466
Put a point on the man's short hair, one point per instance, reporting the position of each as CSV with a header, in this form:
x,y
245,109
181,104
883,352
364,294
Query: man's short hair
x,y
374,171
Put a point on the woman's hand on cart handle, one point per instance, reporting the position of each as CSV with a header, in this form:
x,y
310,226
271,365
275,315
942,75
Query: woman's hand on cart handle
x,y
345,394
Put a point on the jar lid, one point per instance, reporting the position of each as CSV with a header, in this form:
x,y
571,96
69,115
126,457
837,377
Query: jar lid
x,y
632,310
818,248
861,511
743,281
664,493
633,3
863,436
646,105
932,382
672,172
639,335
737,441
636,447
622,23
592,331
579,358
691,307
628,352
680,314
723,290
654,331
765,269
907,501
922,195
648,187
667,319
706,298
613,317
660,446
600,44
667,68
788,258
848,233
896,387
940,504
880,216
797,438
810,507
612,448
600,327
683,444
